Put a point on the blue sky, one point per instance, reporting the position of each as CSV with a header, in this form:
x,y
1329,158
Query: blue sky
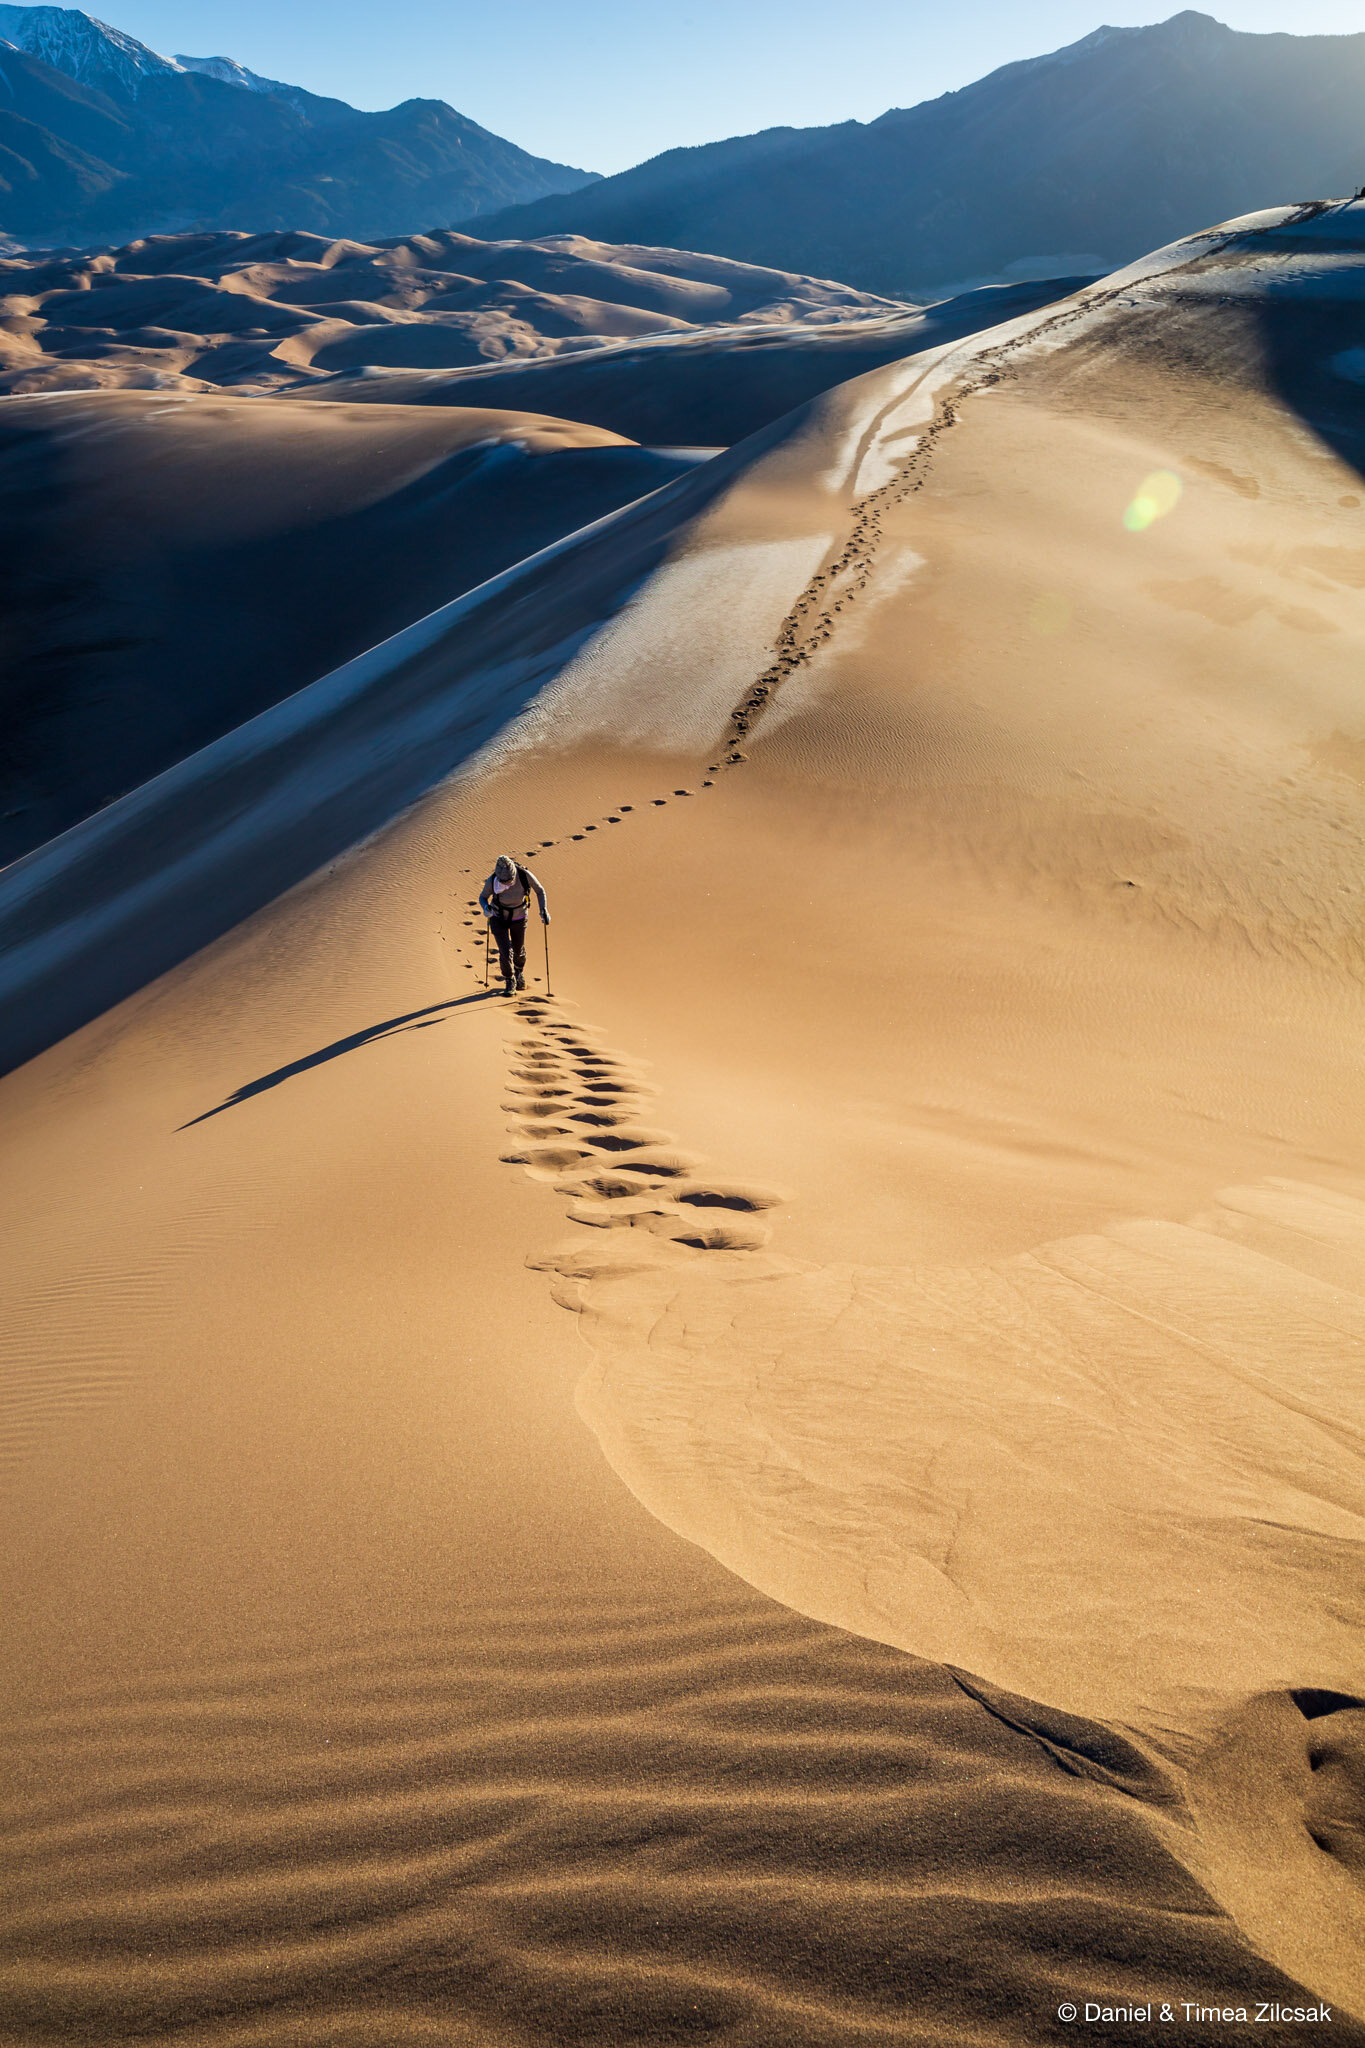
x,y
604,83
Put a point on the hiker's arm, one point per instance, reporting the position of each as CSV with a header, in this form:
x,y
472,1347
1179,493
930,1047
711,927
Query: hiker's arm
x,y
484,904
540,897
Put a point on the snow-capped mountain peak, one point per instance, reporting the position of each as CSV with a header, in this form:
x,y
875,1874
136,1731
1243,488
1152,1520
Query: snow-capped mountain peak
x,y
89,50
230,72
84,48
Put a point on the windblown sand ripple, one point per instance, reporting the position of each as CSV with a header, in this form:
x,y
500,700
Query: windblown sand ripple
x,y
575,1826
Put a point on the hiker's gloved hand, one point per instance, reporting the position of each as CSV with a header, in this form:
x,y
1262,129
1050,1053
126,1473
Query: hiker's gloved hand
x,y
545,917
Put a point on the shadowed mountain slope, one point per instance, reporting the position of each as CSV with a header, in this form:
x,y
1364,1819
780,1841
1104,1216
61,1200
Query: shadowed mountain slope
x,y
147,143
1075,161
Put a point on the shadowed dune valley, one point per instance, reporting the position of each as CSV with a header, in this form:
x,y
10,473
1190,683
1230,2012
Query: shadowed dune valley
x,y
792,1473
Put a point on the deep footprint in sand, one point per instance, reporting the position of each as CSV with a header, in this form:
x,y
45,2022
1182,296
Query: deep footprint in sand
x,y
619,1211
740,1195
548,1161
657,1162
661,1217
575,1110
610,1092
733,1236
608,1187
628,1138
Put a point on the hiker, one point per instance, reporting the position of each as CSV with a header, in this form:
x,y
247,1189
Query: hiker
x,y
503,900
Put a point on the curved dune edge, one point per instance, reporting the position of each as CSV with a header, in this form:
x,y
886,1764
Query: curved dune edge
x,y
189,562
1072,1475
1002,1467
879,1448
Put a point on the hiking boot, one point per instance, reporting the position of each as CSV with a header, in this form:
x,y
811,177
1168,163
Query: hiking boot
x,y
521,981
508,986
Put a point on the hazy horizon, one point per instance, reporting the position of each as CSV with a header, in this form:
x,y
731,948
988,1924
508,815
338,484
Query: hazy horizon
x,y
601,89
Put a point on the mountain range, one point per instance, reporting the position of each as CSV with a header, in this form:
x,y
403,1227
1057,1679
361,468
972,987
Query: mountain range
x,y
1078,161
1068,163
103,139
93,53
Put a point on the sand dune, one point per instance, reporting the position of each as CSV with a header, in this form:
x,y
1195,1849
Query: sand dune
x,y
199,311
950,806
707,388
171,567
173,563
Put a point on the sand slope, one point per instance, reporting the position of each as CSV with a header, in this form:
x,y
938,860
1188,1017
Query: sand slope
x,y
175,558
170,564
945,1133
353,1697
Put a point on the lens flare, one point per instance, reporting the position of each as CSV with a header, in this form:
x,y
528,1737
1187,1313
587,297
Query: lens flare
x,y
1157,495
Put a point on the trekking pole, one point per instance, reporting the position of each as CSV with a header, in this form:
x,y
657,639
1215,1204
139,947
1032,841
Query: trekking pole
x,y
485,953
545,934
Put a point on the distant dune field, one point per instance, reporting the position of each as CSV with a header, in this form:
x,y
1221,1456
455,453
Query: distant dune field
x,y
264,310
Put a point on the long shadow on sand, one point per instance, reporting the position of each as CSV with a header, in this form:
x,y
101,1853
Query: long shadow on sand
x,y
415,1020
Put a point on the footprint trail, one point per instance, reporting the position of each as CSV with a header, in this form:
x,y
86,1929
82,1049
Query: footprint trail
x,y
578,1110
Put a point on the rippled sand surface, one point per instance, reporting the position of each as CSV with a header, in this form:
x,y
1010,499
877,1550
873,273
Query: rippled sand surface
x,y
574,1826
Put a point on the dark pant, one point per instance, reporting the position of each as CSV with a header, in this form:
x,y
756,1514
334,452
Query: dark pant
x,y
510,933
